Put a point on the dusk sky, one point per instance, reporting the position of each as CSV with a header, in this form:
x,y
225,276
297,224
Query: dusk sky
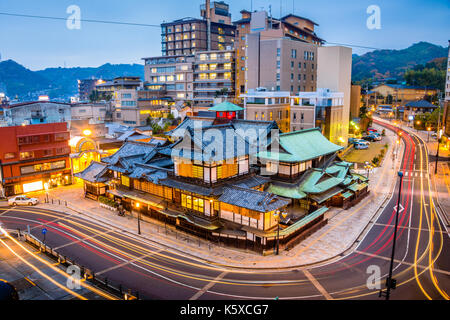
x,y
41,43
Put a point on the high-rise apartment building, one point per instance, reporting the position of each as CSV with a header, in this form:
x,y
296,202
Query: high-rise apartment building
x,y
280,64
213,77
186,36
290,27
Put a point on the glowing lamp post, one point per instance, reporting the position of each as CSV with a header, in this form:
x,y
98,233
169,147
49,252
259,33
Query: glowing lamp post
x,y
138,205
278,215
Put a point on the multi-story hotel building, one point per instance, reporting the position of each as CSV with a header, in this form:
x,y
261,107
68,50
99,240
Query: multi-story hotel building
x,y
213,77
34,157
189,35
291,27
173,74
446,118
280,64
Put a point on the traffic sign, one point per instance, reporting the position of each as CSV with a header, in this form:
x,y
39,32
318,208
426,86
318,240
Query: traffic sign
x,y
44,231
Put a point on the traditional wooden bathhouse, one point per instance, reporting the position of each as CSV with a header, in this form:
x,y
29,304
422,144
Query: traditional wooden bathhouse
x,y
205,182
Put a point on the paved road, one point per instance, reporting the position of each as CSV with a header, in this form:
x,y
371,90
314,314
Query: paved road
x,y
422,254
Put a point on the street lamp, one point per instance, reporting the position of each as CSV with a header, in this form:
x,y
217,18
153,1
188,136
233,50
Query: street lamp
x,y
392,283
428,129
87,133
278,214
139,216
368,169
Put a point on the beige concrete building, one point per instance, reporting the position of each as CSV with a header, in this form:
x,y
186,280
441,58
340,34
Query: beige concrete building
x,y
125,107
96,112
355,101
280,64
334,71
290,26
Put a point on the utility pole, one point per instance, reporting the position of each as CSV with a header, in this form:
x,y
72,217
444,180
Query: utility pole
x,y
438,134
392,283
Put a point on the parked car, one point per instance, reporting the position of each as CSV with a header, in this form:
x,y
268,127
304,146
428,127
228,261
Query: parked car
x,y
361,141
22,201
370,130
376,136
369,138
360,146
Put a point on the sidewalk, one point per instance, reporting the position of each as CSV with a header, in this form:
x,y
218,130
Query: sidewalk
x,y
328,243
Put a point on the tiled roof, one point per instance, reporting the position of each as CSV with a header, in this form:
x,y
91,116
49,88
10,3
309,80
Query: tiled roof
x,y
226,107
213,143
129,149
93,173
252,199
301,146
420,104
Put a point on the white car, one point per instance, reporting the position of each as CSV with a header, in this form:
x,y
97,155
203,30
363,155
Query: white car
x,y
22,201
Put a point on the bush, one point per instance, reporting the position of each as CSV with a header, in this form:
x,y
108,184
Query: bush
x,y
108,202
376,161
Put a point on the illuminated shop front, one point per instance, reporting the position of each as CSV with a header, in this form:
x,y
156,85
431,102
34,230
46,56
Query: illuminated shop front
x,y
84,152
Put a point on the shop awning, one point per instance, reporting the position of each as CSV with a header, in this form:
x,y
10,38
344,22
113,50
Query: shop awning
x,y
147,199
358,187
321,198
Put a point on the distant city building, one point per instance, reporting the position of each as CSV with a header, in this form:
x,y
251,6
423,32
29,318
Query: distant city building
x,y
398,94
107,88
414,108
189,35
36,112
34,157
86,87
96,112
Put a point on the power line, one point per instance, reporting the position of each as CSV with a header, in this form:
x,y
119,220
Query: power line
x,y
83,20
152,26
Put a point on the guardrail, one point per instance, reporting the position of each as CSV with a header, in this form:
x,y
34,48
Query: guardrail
x,y
103,283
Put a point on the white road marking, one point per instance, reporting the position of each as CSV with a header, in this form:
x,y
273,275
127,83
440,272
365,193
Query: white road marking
x,y
317,285
208,286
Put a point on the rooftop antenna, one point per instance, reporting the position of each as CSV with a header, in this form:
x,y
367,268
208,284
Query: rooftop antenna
x,y
293,6
270,14
251,5
281,8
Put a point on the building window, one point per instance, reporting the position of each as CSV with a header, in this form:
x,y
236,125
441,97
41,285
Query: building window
x,y
61,136
48,153
62,150
294,53
26,155
9,155
125,181
278,52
